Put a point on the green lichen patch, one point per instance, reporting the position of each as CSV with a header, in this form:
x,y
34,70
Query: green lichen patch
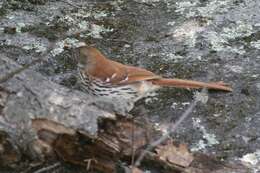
x,y
38,2
62,63
3,10
20,5
51,32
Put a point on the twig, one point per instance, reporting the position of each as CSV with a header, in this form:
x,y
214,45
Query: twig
x,y
48,168
145,3
133,145
71,4
119,40
34,62
11,74
171,130
76,6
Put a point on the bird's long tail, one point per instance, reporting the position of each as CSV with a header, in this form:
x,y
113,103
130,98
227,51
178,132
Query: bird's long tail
x,y
179,83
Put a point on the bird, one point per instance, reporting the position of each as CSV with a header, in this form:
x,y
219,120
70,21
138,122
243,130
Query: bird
x,y
122,85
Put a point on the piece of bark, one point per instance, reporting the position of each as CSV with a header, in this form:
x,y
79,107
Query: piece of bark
x,y
178,155
9,152
101,152
201,163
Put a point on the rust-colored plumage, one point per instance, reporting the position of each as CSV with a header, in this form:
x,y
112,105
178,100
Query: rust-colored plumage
x,y
99,67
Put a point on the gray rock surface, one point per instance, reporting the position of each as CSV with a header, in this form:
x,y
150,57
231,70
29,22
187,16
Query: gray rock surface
x,y
32,96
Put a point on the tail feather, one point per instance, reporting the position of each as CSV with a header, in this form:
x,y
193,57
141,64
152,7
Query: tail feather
x,y
179,83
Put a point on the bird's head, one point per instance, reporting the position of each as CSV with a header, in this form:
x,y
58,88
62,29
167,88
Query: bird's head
x,y
87,57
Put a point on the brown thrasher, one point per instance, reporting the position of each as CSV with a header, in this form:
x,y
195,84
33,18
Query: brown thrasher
x,y
122,85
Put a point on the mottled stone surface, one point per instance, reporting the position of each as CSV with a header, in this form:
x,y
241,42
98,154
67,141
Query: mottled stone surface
x,y
192,39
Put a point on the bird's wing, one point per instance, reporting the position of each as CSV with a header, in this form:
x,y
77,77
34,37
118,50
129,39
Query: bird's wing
x,y
135,74
98,66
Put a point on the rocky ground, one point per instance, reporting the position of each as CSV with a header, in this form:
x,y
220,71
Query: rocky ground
x,y
202,40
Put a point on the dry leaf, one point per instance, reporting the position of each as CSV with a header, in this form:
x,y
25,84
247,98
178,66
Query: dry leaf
x,y
175,155
136,170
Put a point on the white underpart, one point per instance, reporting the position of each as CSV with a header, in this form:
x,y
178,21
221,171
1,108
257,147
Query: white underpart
x,y
123,103
119,98
145,89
